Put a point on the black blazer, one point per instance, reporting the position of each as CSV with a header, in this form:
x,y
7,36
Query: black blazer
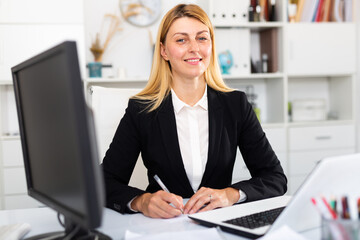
x,y
232,124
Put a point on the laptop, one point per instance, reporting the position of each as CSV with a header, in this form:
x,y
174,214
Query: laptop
x,y
333,176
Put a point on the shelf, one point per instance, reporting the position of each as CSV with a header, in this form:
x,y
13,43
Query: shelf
x,y
320,123
13,137
252,25
114,80
254,76
321,75
272,125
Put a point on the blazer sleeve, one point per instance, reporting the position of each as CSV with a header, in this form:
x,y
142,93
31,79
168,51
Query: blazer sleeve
x,y
120,159
267,176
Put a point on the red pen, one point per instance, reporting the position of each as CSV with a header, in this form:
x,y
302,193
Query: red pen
x,y
358,205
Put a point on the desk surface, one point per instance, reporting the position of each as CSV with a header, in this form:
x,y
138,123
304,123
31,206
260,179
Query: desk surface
x,y
114,224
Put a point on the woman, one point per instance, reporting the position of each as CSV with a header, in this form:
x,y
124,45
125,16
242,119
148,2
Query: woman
x,y
187,124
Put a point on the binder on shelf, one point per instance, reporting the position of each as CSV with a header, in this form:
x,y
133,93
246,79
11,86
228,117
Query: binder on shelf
x,y
309,10
299,11
269,46
223,15
327,10
272,11
264,13
320,11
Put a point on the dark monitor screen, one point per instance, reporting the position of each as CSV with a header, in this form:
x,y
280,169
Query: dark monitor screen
x,y
58,137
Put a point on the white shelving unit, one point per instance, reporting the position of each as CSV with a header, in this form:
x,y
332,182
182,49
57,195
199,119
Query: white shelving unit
x,y
314,60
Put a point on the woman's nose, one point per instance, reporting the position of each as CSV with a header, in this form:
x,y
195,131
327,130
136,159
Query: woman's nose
x,y
194,46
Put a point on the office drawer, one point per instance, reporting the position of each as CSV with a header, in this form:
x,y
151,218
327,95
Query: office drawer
x,y
12,153
303,162
328,137
14,181
277,138
20,201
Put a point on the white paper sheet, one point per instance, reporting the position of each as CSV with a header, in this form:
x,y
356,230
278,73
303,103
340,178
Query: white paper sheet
x,y
206,233
283,233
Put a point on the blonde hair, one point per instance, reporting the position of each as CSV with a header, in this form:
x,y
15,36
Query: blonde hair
x,y
159,84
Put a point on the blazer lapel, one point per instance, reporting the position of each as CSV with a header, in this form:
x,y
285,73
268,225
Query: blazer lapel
x,y
215,131
170,138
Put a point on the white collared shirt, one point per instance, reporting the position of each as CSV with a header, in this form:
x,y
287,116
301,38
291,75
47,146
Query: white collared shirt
x,y
192,123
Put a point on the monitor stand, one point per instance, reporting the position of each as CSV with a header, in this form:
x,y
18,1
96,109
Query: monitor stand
x,y
93,235
72,231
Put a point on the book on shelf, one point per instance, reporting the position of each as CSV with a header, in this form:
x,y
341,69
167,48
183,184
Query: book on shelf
x,y
262,10
324,11
269,46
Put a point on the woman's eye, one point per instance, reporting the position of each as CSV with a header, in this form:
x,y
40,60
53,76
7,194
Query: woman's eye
x,y
202,38
180,40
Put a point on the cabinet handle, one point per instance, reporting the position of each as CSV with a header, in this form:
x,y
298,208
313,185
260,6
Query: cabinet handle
x,y
323,137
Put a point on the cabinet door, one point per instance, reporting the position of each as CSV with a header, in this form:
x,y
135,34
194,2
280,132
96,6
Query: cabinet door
x,y
11,153
321,49
20,42
303,162
327,137
14,181
41,11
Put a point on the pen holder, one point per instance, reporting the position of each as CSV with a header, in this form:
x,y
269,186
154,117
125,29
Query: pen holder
x,y
340,229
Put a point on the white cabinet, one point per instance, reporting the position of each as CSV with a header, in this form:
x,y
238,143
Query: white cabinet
x,y
321,137
11,153
308,145
325,49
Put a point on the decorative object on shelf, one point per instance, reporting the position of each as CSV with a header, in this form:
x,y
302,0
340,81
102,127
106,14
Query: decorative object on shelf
x,y
141,13
264,63
113,25
292,9
95,69
226,61
308,110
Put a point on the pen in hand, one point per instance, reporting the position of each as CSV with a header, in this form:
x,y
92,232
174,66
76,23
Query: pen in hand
x,y
162,185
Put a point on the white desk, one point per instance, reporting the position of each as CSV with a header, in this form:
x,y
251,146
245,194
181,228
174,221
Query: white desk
x,y
114,224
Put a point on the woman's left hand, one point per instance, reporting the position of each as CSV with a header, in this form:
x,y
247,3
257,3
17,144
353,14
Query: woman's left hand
x,y
207,198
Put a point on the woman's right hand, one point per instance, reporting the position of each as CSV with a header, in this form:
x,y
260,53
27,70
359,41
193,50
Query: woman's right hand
x,y
157,205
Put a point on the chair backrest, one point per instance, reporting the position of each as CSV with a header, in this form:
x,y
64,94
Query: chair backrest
x,y
108,105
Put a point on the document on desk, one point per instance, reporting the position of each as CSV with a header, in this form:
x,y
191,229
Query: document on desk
x,y
283,233
207,233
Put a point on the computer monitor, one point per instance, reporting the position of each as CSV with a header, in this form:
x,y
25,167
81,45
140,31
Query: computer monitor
x,y
58,139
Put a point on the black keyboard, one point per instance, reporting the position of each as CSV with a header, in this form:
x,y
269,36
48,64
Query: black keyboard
x,y
257,219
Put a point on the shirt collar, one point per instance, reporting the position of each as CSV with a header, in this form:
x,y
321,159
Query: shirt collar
x,y
178,104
